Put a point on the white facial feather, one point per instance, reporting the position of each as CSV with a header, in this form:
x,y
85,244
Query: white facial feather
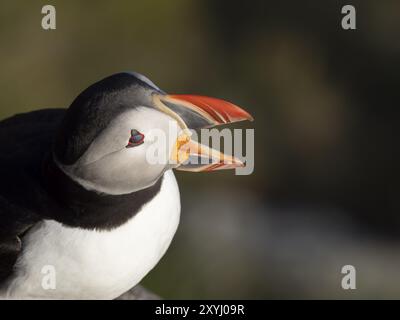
x,y
109,167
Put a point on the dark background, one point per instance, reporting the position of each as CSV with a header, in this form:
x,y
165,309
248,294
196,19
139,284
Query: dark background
x,y
325,189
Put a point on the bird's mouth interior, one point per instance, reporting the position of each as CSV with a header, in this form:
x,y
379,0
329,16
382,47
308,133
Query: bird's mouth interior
x,y
197,112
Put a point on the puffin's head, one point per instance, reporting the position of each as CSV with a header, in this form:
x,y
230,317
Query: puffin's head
x,y
113,126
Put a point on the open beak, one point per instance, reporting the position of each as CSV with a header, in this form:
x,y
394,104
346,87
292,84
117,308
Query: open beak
x,y
195,112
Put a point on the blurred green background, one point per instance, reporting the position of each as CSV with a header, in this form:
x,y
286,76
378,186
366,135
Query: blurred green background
x,y
324,192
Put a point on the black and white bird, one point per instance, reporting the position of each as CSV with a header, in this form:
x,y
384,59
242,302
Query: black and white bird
x,y
77,191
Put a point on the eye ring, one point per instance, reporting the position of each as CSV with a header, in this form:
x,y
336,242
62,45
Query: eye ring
x,y
136,139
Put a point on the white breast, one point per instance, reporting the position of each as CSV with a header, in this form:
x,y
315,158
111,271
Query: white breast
x,y
97,264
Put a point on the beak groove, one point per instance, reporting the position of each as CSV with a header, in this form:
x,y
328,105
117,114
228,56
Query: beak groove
x,y
216,111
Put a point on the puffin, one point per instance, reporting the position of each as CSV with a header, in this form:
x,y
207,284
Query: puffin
x,y
80,193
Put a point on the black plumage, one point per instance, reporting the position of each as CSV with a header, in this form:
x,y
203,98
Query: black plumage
x,y
24,140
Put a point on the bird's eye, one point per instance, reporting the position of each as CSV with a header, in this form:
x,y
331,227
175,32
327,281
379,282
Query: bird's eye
x,y
136,139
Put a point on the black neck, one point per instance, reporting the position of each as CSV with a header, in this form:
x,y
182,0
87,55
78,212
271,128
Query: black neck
x,y
75,206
